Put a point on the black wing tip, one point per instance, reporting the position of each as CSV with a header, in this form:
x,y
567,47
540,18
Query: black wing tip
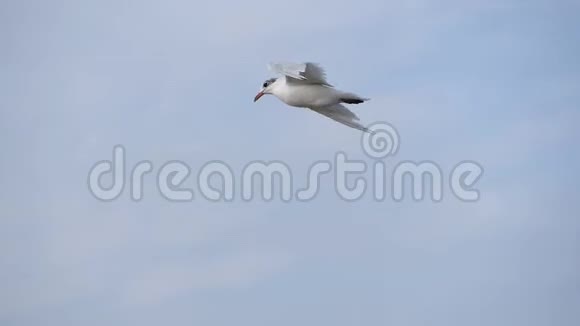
x,y
354,100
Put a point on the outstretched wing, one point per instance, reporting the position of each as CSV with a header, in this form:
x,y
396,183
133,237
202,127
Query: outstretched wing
x,y
341,114
307,73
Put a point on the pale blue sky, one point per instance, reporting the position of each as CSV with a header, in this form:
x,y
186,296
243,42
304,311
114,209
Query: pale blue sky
x,y
497,82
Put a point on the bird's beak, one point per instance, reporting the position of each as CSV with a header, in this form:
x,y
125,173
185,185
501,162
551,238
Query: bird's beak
x,y
260,94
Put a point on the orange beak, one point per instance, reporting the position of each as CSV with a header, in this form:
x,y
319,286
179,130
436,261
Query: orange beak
x,y
260,94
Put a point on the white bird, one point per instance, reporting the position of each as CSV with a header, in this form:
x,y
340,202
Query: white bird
x,y
304,85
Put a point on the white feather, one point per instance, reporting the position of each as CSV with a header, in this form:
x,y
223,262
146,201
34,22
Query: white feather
x,y
340,113
307,72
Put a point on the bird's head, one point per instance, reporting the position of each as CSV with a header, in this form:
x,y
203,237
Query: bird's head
x,y
266,88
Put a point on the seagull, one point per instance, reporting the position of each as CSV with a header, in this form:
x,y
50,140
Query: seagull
x,y
304,85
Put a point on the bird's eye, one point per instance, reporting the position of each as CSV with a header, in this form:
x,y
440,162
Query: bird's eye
x,y
265,85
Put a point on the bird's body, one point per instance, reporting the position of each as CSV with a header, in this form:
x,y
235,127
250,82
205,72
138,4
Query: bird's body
x,y
304,95
305,86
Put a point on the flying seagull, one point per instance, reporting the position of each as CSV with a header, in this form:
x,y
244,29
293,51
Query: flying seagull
x,y
304,85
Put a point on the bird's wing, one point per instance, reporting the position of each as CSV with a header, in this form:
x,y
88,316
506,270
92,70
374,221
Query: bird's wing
x,y
307,73
340,113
